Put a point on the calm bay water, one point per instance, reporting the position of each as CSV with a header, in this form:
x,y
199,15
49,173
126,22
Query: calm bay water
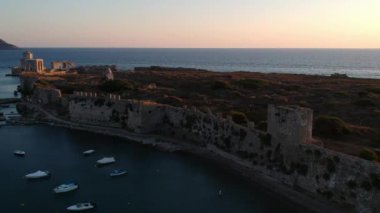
x,y
157,181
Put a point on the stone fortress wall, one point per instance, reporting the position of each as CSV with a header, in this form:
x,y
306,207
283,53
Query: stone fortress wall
x,y
46,96
284,153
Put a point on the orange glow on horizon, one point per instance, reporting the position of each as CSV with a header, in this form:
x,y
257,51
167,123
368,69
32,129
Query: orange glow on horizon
x,y
195,24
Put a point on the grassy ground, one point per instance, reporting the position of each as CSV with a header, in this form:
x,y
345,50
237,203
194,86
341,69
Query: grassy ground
x,y
346,110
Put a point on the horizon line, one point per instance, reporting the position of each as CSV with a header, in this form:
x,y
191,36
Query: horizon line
x,y
321,48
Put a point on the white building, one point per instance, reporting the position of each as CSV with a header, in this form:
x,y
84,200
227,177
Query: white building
x,y
29,64
62,65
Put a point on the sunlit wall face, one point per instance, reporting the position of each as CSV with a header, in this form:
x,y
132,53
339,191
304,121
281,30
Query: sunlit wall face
x,y
191,23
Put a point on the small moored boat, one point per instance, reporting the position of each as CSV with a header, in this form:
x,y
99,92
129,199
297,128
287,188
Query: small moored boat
x,y
19,153
118,172
88,152
81,207
106,160
38,174
67,187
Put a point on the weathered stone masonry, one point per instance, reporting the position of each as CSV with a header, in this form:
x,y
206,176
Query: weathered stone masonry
x,y
284,153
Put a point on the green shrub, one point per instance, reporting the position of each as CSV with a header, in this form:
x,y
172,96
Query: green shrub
x,y
250,83
376,140
364,103
220,85
172,101
266,139
239,117
331,127
263,125
368,154
374,90
293,87
116,86
341,95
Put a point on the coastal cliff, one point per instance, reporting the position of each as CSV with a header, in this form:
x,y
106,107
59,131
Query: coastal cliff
x,y
6,46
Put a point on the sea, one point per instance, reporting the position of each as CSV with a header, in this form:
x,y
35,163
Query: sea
x,y
156,181
359,63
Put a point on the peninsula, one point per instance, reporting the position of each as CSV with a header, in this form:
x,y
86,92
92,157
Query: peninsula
x,y
6,46
312,138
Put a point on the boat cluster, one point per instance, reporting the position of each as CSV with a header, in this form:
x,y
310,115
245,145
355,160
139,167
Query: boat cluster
x,y
72,185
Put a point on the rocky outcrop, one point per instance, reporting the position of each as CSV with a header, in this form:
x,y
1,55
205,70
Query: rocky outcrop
x,y
6,46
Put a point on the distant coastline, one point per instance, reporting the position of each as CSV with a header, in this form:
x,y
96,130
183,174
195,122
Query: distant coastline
x,y
355,63
6,46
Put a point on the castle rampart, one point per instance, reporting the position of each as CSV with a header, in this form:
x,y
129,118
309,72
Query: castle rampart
x,y
284,153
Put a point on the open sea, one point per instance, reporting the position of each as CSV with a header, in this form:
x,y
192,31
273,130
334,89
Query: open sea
x,y
362,63
157,181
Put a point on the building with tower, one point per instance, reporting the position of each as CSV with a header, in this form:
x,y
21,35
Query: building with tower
x,y
29,64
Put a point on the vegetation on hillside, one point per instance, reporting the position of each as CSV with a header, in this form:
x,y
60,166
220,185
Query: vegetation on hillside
x,y
116,86
368,154
250,83
239,117
346,110
330,127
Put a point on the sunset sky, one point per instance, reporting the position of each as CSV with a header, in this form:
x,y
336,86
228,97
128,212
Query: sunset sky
x,y
191,23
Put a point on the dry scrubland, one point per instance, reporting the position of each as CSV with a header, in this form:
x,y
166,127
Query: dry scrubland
x,y
346,110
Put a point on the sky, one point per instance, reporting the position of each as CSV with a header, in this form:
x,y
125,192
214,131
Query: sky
x,y
191,23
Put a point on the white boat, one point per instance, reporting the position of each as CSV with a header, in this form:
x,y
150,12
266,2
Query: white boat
x,y
89,152
19,153
118,172
106,160
38,174
67,187
81,207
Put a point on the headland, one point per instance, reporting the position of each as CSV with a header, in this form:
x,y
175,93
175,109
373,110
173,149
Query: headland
x,y
6,46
